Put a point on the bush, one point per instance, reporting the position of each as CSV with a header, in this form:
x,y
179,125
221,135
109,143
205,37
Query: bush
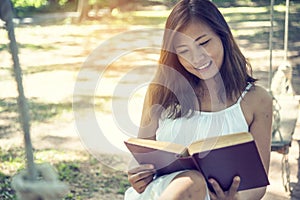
x,y
29,3
24,8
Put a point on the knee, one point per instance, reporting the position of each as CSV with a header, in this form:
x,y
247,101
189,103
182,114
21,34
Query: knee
x,y
194,177
187,185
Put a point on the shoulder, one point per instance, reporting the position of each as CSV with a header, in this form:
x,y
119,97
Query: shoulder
x,y
258,96
257,102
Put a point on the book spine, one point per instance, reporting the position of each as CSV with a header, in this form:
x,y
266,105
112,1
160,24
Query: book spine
x,y
196,164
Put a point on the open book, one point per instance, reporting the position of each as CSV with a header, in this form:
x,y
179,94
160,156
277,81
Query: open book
x,y
221,158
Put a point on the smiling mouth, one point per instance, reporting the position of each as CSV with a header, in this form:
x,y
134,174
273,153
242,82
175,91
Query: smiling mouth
x,y
206,65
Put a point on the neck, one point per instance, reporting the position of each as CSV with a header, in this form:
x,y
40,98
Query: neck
x,y
212,86
212,94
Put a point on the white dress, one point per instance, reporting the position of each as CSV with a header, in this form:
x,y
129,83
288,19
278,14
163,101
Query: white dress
x,y
199,126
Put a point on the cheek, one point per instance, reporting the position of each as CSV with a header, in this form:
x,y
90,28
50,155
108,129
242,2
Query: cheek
x,y
186,65
221,57
184,62
217,55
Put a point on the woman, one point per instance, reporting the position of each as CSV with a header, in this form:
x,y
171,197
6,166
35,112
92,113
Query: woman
x,y
203,87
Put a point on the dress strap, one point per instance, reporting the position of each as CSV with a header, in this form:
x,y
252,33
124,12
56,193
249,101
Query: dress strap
x,y
244,92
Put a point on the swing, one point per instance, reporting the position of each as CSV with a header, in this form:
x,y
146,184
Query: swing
x,y
37,182
285,105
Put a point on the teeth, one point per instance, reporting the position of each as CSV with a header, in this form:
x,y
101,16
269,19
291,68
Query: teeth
x,y
204,66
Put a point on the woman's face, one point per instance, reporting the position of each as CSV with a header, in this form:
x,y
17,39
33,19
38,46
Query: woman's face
x,y
199,50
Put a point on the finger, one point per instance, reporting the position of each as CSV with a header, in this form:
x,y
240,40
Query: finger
x,y
139,176
143,175
234,186
141,168
218,190
212,196
142,184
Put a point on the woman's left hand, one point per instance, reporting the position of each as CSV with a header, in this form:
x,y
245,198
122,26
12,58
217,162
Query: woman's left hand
x,y
231,194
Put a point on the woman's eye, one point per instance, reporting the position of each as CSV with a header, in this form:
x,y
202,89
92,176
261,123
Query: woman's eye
x,y
182,51
204,43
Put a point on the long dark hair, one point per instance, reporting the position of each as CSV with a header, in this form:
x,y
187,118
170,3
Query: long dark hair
x,y
168,89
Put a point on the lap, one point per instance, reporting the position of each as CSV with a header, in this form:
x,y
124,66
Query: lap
x,y
188,184
155,189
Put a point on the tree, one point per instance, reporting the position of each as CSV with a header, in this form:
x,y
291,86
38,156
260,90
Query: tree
x,y
83,8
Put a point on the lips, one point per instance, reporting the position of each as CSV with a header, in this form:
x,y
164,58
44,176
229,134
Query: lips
x,y
204,66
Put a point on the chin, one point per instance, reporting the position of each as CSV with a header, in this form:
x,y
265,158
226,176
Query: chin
x,y
206,76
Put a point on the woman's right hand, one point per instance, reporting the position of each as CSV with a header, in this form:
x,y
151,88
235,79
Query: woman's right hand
x,y
140,176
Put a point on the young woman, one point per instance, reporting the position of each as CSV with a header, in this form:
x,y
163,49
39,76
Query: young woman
x,y
203,87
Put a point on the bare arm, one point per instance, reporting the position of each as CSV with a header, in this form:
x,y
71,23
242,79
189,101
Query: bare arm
x,y
149,121
257,109
140,176
260,103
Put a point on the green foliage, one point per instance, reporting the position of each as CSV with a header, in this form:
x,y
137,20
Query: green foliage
x,y
100,2
62,2
124,184
11,160
6,191
109,3
25,8
68,171
36,3
29,3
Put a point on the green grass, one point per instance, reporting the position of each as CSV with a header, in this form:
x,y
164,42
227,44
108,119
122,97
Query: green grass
x,y
39,111
84,175
6,192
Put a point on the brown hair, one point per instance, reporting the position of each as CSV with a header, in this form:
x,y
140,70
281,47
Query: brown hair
x,y
168,90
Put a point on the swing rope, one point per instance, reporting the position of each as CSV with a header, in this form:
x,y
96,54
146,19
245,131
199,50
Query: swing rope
x,y
284,145
271,45
38,182
22,102
276,106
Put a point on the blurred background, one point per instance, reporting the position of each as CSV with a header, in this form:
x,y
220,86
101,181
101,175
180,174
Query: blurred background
x,y
58,39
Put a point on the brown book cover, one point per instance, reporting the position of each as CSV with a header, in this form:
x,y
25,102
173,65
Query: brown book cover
x,y
221,158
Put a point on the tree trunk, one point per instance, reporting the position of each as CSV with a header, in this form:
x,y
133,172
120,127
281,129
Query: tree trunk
x,y
83,9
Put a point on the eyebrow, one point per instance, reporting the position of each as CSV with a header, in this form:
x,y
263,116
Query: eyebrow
x,y
198,38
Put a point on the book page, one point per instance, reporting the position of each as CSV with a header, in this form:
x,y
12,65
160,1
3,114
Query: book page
x,y
159,145
219,142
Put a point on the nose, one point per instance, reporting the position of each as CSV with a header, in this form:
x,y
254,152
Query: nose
x,y
198,55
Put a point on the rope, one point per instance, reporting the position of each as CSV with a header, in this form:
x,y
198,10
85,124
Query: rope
x,y
271,43
7,16
276,106
286,172
281,86
37,182
286,29
276,119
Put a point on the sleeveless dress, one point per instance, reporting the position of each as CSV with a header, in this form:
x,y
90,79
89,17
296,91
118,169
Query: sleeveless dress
x,y
198,126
